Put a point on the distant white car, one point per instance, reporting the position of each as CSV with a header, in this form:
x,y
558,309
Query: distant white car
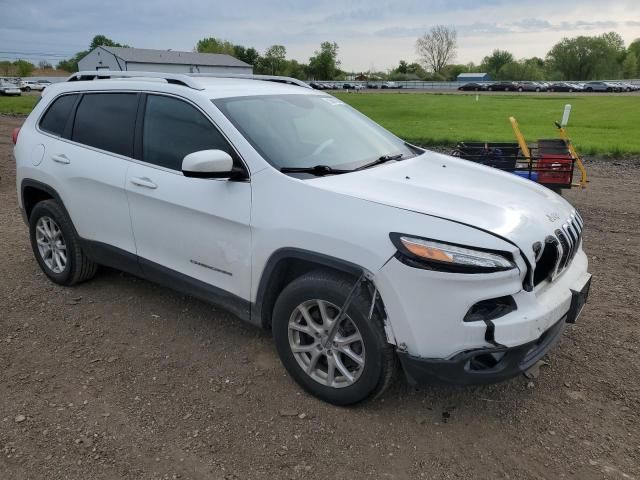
x,y
28,85
7,88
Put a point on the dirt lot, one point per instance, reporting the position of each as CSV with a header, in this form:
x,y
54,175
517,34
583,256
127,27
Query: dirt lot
x,y
119,378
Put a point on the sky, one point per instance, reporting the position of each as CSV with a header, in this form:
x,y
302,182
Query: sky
x,y
371,34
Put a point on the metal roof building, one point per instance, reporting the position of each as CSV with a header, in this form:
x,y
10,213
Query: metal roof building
x,y
168,61
473,77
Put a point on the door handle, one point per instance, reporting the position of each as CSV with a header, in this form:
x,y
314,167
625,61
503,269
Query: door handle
x,y
143,182
62,158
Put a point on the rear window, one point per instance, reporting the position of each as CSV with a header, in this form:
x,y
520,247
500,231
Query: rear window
x,y
55,119
106,121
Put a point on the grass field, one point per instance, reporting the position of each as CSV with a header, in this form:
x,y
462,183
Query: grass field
x,y
598,124
18,105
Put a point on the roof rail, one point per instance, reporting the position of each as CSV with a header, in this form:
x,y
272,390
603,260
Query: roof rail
x,y
175,78
251,76
187,80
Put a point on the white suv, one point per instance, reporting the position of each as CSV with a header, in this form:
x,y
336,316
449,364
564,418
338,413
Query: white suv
x,y
299,214
28,85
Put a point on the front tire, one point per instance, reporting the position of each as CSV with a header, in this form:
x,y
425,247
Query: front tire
x,y
56,245
358,365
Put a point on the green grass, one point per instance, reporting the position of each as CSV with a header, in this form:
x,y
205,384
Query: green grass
x,y
18,105
598,124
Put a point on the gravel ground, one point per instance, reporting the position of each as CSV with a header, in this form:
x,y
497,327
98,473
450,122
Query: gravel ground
x,y
119,378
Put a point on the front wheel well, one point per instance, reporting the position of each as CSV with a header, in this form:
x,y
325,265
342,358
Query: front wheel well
x,y
281,270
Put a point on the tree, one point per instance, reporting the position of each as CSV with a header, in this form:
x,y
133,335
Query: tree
x,y
248,55
521,70
402,67
102,41
494,62
44,65
634,47
215,45
323,65
6,68
23,68
588,58
451,72
71,64
296,70
438,47
630,66
275,58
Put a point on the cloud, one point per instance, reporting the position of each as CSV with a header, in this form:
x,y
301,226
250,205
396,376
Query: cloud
x,y
369,32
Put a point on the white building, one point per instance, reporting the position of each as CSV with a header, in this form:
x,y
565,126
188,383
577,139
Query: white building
x,y
146,60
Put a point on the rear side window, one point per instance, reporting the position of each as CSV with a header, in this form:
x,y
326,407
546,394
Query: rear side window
x,y
174,129
106,121
55,119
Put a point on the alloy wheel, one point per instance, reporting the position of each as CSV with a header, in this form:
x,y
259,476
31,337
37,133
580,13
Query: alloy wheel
x,y
334,362
51,245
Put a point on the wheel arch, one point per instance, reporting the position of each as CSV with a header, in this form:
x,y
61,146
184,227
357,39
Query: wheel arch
x,y
284,266
33,192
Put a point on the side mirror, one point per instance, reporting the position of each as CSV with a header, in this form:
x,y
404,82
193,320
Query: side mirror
x,y
208,164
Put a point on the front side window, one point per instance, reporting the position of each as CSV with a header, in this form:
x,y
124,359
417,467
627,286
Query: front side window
x,y
106,121
57,115
292,131
173,129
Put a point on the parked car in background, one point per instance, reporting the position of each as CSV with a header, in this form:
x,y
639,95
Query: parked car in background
x,y
502,86
317,86
391,85
7,89
601,87
531,87
472,87
628,87
28,85
564,87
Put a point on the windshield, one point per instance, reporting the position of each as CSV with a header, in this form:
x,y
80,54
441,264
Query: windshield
x,y
310,130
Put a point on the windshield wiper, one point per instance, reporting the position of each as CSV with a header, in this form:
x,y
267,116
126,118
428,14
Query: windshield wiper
x,y
321,170
382,159
317,170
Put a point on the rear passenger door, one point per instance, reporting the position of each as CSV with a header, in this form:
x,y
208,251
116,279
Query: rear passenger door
x,y
187,228
87,157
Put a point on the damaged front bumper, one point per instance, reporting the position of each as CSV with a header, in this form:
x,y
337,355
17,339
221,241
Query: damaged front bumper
x,y
481,366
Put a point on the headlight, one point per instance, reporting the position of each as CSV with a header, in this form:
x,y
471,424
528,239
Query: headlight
x,y
448,257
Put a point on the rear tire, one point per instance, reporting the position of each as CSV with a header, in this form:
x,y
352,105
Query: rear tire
x,y
301,317
56,245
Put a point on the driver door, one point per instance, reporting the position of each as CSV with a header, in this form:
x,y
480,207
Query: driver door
x,y
187,228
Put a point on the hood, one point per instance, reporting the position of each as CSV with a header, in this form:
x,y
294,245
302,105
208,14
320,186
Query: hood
x,y
515,209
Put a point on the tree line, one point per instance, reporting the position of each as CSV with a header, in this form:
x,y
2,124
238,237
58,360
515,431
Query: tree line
x,y
579,58
601,57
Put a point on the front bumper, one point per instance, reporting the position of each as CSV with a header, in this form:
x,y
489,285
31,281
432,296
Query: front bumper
x,y
481,366
426,308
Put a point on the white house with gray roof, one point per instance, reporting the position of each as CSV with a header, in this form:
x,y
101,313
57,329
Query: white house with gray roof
x,y
169,61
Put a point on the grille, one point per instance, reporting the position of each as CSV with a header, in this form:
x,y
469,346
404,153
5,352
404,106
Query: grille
x,y
559,249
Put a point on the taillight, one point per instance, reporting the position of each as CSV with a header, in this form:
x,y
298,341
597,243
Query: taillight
x,y
14,135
